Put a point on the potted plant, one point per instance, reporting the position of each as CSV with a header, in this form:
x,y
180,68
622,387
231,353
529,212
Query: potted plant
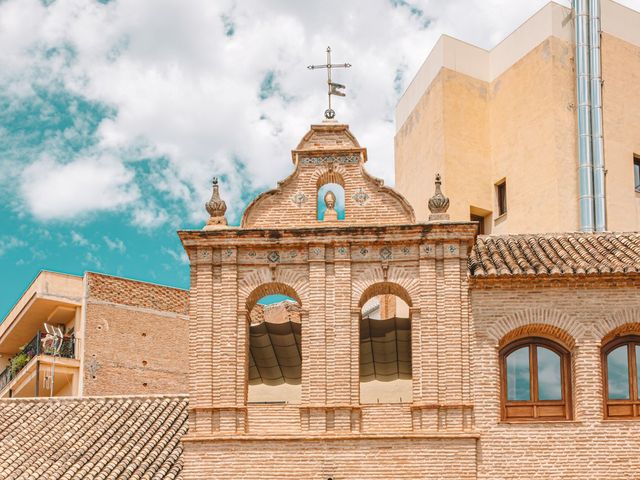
x,y
18,362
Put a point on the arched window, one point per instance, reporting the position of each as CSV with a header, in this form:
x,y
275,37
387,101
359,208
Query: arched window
x,y
275,360
621,371
385,350
536,382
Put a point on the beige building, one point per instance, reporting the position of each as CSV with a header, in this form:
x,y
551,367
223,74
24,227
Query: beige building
x,y
501,126
94,335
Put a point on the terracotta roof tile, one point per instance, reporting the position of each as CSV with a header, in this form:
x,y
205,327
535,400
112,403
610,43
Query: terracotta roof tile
x,y
555,254
92,437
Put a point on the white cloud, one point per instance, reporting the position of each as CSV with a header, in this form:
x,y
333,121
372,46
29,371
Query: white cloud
x,y
92,261
185,90
114,244
180,256
55,190
148,216
78,239
9,242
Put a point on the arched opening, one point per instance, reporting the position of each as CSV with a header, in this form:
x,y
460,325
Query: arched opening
x,y
385,346
621,374
535,380
274,351
331,199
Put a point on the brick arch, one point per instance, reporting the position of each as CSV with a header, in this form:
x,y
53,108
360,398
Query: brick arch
x,y
330,177
384,288
543,330
548,322
271,288
402,280
284,280
625,321
332,174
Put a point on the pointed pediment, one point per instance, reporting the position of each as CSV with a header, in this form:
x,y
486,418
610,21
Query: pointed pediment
x,y
328,154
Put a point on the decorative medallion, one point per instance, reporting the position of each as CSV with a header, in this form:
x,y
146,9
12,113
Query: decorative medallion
x,y
315,251
427,249
228,252
406,250
344,159
251,254
293,254
299,198
452,249
342,250
204,253
364,251
273,257
360,196
385,253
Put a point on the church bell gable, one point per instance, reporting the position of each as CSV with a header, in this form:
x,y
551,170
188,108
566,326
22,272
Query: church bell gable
x,y
328,154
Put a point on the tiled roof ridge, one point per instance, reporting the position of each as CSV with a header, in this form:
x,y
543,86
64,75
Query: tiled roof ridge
x,y
557,234
125,437
555,254
155,396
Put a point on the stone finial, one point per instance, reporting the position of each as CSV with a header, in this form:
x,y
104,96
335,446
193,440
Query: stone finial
x,y
216,208
438,204
330,213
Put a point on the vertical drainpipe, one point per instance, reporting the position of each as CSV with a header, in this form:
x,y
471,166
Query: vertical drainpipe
x,y
585,164
597,143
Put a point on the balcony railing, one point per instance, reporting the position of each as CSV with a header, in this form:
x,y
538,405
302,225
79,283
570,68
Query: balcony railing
x,y
39,345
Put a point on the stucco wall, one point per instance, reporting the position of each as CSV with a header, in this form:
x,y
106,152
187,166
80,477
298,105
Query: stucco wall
x,y
621,117
475,133
521,125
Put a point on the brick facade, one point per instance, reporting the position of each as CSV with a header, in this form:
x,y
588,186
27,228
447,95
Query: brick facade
x,y
580,316
135,339
451,427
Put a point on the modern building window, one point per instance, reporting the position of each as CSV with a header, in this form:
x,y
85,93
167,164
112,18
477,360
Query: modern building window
x,y
535,381
480,220
636,172
501,196
621,372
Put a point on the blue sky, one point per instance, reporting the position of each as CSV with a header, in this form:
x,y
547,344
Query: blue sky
x,y
114,115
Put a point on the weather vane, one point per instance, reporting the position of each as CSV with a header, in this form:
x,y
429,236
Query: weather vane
x,y
333,88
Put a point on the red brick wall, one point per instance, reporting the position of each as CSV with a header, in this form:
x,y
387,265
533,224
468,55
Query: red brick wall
x,y
588,446
135,339
339,459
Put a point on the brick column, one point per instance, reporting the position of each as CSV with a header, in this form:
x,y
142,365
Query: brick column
x,y
450,360
344,350
314,382
227,353
587,380
424,329
201,341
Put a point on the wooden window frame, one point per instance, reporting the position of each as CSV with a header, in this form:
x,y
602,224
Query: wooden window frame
x,y
480,219
501,200
540,410
631,406
636,179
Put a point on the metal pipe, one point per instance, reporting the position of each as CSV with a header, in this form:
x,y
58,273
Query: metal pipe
x,y
597,142
585,164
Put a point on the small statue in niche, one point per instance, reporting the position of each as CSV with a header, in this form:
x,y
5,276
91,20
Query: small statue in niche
x,y
330,214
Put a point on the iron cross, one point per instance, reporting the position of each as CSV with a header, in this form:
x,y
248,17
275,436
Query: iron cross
x,y
333,88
